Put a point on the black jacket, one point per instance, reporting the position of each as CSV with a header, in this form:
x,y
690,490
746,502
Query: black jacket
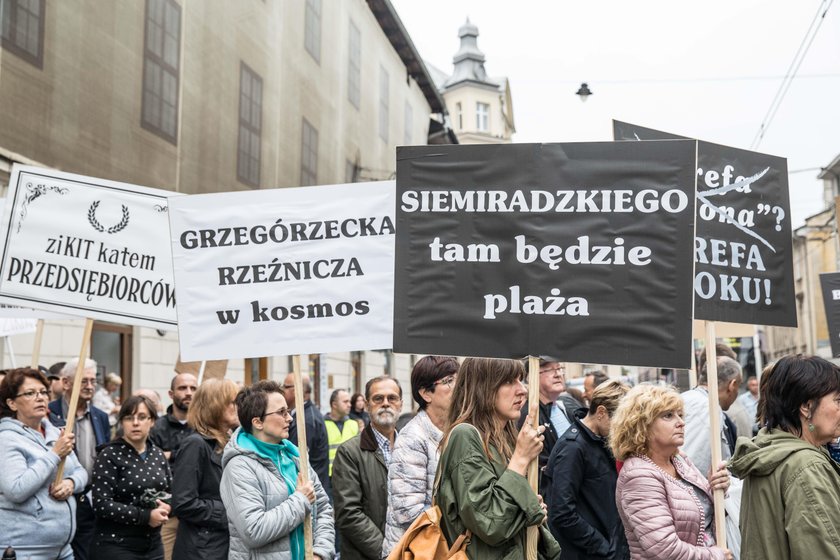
x,y
196,502
317,443
579,487
121,478
168,433
571,407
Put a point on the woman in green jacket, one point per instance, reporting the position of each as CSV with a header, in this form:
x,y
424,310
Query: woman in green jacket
x,y
791,485
484,461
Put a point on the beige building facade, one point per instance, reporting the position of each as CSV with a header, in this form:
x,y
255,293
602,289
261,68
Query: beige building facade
x,y
202,96
816,250
480,106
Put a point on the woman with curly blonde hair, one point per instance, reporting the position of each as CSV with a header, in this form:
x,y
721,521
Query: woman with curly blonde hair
x,y
482,467
196,501
664,502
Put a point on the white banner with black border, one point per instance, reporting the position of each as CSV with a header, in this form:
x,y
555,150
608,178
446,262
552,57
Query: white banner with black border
x,y
87,247
284,271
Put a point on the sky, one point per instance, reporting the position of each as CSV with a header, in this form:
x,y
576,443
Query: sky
x,y
708,70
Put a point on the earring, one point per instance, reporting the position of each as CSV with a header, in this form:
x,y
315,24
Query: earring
x,y
811,427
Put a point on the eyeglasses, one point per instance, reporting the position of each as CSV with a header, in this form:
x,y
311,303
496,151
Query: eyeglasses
x,y
30,395
557,369
448,381
283,412
136,418
91,382
379,399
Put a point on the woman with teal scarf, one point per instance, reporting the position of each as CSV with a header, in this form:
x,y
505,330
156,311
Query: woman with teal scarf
x,y
262,489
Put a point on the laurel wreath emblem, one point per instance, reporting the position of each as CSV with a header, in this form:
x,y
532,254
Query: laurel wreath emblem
x,y
99,227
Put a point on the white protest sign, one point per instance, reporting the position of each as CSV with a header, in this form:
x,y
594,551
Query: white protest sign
x,y
284,271
10,327
87,247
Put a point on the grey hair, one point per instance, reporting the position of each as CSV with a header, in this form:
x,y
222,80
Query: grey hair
x,y
727,370
69,369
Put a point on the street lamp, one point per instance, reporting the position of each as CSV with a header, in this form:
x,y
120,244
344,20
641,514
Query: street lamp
x,y
584,91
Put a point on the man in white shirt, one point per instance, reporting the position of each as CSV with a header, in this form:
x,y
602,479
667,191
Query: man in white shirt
x,y
697,422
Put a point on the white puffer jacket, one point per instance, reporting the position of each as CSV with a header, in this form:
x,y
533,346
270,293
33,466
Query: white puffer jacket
x,y
411,477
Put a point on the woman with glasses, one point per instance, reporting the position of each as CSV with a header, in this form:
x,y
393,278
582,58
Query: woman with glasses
x,y
196,501
411,474
131,485
37,516
262,490
483,487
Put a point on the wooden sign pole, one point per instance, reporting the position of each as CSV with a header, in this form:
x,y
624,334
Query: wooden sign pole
x,y
534,467
74,395
304,451
201,369
36,349
714,429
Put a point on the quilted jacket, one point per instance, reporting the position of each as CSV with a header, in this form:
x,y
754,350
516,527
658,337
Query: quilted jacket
x,y
662,518
411,477
261,513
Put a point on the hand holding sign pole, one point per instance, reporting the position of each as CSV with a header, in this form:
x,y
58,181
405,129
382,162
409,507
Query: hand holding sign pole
x,y
74,396
304,451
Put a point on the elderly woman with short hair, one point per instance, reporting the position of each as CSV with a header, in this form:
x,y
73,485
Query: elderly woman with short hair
x,y
37,516
664,502
791,485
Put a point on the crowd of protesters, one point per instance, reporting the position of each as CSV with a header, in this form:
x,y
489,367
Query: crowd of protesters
x,y
624,473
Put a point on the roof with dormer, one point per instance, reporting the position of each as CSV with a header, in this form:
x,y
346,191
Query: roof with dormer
x,y
468,63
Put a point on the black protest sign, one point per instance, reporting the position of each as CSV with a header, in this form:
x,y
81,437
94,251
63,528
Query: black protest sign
x,y
830,283
744,248
582,252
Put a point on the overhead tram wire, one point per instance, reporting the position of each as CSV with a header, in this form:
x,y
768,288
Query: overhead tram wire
x,y
801,52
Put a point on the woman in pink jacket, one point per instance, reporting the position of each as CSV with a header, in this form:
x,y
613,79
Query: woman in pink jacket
x,y
663,500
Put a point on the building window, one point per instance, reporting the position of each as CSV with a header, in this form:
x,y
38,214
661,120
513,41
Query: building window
x,y
482,117
23,29
459,114
250,126
383,103
161,62
309,155
354,63
409,118
312,29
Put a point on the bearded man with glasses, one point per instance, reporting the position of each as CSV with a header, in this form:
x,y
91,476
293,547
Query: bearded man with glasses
x,y
92,429
360,474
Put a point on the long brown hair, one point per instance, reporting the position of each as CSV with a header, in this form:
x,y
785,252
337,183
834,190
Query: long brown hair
x,y
208,408
474,402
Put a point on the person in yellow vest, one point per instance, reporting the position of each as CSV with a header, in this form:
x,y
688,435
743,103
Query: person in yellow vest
x,y
340,427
